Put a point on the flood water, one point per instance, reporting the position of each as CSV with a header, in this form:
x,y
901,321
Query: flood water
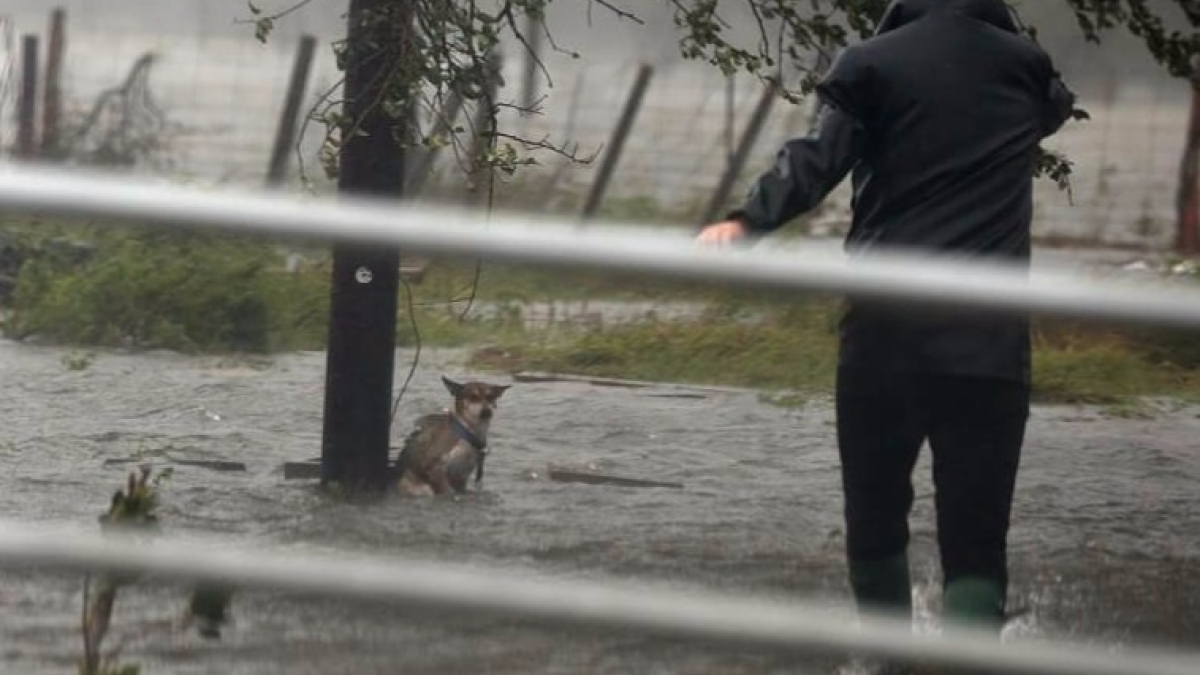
x,y
1104,543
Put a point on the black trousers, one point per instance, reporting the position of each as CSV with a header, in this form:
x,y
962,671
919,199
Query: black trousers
x,y
975,428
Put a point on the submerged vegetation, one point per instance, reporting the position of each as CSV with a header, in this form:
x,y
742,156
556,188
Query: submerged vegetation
x,y
133,512
146,288
204,293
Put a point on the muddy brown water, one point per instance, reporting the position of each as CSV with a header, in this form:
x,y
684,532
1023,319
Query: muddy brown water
x,y
1105,545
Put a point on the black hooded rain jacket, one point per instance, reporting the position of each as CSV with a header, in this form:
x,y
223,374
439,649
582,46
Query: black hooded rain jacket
x,y
938,117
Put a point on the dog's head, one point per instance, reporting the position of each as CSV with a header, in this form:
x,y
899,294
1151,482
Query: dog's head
x,y
475,402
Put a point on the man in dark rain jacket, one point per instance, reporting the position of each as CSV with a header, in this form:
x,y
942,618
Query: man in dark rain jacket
x,y
938,116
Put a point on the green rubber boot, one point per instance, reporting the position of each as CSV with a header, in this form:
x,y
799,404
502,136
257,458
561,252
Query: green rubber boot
x,y
209,609
882,585
973,602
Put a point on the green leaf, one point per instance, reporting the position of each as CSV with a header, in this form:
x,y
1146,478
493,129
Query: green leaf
x,y
262,28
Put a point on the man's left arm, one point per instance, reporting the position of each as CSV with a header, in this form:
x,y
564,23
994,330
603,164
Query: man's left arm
x,y
806,170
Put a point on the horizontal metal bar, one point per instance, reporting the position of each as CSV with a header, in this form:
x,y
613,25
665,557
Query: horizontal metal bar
x,y
623,249
439,587
443,588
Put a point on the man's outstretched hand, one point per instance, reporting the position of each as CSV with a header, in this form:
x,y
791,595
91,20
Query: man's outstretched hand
x,y
724,233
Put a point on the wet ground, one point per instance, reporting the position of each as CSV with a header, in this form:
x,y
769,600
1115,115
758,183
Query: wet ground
x,y
1105,545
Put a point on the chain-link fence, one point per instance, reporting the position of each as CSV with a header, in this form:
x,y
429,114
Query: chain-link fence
x,y
207,96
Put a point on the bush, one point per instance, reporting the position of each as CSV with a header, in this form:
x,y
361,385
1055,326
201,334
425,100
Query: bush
x,y
172,290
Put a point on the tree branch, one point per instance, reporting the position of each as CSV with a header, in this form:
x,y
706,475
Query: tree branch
x,y
621,13
507,14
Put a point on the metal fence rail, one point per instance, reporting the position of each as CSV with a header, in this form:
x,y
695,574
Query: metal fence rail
x,y
543,241
708,618
425,587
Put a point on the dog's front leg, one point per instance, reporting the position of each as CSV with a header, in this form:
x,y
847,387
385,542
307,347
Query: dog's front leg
x,y
439,481
411,486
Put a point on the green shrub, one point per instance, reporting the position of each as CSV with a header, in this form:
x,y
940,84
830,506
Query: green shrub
x,y
173,290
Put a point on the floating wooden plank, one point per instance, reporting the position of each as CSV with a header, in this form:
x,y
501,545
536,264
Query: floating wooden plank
x,y
582,379
675,389
213,465
563,475
310,470
301,470
210,464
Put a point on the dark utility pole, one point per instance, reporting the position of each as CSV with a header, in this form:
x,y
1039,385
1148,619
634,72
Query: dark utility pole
x,y
738,161
52,95
613,155
1187,236
285,133
365,282
27,102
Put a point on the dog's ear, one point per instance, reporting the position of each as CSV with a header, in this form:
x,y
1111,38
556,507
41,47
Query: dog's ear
x,y
496,391
455,389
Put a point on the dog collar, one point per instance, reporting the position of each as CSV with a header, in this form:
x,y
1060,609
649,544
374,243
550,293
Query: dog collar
x,y
466,434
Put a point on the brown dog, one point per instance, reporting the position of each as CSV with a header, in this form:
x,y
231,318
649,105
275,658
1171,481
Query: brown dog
x,y
444,449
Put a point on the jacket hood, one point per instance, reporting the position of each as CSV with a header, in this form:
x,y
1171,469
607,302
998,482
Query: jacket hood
x,y
902,12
